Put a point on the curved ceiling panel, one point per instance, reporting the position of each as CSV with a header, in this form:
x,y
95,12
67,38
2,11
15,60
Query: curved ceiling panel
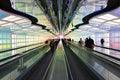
x,y
7,6
111,5
8,20
60,12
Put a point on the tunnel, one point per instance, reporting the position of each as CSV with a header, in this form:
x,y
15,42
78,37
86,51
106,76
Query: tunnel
x,y
60,40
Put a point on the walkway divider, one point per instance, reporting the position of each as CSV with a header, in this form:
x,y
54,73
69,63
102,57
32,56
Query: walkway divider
x,y
58,69
79,70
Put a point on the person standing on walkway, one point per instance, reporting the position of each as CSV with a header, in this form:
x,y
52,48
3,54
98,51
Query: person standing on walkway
x,y
81,42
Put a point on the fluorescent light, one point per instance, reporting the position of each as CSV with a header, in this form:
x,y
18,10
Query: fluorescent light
x,y
32,27
36,27
102,2
86,26
117,20
15,19
107,17
78,30
2,22
9,17
42,30
25,29
22,21
97,20
8,24
97,30
111,23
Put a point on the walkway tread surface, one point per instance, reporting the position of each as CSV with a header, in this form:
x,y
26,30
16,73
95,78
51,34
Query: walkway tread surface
x,y
58,70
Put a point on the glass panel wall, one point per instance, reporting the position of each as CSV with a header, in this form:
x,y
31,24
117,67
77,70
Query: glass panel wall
x,y
5,43
12,40
5,40
105,36
115,39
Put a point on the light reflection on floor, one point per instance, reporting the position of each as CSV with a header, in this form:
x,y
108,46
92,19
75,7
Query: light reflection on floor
x,y
60,45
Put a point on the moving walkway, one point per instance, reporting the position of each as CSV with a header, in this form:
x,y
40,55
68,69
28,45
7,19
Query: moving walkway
x,y
65,62
12,66
64,65
105,65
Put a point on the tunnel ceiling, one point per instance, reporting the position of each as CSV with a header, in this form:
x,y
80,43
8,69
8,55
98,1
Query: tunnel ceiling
x,y
61,16
75,16
60,12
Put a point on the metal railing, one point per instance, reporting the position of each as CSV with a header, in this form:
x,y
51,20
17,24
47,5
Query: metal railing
x,y
108,48
11,59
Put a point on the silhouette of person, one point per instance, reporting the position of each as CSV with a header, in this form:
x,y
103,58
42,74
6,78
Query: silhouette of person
x,y
81,42
102,41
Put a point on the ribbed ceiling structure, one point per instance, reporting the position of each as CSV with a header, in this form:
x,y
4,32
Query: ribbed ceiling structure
x,y
68,16
60,12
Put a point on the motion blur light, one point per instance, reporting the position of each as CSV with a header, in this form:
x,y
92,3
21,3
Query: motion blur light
x,y
61,36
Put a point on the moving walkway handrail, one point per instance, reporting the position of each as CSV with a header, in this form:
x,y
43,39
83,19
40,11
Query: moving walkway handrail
x,y
104,53
108,48
9,57
16,57
115,58
107,55
15,54
6,50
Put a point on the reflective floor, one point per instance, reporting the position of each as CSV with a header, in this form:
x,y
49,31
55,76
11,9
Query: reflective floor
x,y
59,68
109,52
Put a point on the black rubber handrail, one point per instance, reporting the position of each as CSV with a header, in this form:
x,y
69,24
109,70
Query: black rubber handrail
x,y
17,53
9,57
108,48
115,58
6,50
104,53
107,55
